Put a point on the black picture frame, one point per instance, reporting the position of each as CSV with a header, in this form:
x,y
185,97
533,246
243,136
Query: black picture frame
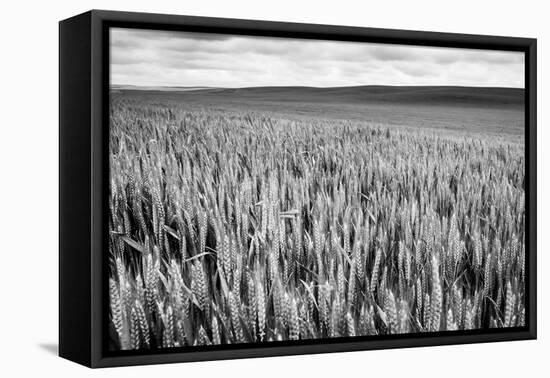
x,y
83,166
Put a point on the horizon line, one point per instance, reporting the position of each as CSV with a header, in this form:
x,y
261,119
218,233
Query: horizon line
x,y
314,87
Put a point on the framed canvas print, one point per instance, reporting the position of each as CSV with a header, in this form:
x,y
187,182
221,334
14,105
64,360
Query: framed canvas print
x,y
233,188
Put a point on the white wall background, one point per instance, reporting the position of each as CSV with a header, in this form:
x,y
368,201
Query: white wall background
x,y
29,186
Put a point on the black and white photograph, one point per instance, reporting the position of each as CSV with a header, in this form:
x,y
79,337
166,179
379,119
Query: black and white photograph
x,y
267,190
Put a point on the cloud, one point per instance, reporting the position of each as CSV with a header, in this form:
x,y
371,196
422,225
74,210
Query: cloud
x,y
148,57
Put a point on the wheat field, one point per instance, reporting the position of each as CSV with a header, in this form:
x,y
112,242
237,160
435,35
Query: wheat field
x,y
232,227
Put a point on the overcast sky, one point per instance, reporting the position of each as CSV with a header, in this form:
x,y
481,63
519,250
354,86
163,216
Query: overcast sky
x,y
162,58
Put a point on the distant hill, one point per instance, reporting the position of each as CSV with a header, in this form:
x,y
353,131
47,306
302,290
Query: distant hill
x,y
385,94
424,95
487,110
156,88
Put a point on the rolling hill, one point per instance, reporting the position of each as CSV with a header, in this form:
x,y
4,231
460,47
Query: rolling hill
x,y
471,109
432,95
